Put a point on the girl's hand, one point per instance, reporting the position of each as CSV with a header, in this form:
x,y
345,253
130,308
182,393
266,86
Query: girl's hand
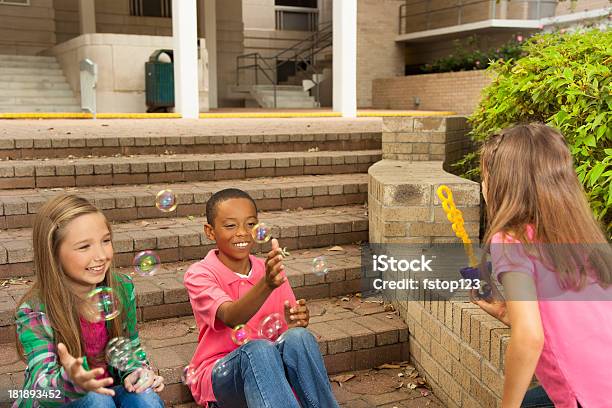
x,y
142,379
83,379
298,315
274,267
494,306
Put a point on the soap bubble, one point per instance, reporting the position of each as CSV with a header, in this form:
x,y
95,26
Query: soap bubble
x,y
103,303
320,266
120,353
146,263
188,375
241,334
165,201
221,369
261,233
271,326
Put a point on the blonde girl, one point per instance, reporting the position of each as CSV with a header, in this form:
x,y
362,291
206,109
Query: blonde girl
x,y
554,262
58,334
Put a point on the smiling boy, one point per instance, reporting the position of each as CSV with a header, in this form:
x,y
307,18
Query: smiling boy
x,y
231,287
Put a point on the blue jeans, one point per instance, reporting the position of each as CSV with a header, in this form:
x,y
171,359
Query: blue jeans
x,y
122,398
537,398
262,374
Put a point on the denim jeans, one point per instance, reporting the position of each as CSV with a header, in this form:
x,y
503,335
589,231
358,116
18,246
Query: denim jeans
x,y
264,374
537,398
122,398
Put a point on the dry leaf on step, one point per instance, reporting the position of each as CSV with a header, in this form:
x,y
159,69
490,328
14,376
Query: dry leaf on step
x,y
388,366
340,378
336,248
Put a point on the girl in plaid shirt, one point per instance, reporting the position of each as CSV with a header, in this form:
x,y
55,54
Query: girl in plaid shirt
x,y
58,334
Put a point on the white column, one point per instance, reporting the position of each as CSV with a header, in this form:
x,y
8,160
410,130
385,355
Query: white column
x,y
345,57
210,32
185,33
87,16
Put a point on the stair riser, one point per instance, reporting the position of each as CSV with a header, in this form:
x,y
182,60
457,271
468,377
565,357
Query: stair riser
x,y
79,147
27,58
169,248
37,101
28,65
37,93
30,71
144,207
139,173
40,109
33,85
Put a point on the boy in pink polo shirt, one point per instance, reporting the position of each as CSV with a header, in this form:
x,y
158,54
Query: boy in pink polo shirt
x,y
230,287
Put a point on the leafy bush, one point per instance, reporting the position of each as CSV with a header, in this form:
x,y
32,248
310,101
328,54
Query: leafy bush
x,y
466,59
564,81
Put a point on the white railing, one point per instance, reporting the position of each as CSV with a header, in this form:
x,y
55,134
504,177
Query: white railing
x,y
89,78
297,18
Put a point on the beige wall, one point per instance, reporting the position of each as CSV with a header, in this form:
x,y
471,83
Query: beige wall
x,y
453,91
27,30
230,44
121,68
378,55
112,16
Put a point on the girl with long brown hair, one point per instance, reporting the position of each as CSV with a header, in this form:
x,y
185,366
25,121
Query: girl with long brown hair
x,y
59,334
553,261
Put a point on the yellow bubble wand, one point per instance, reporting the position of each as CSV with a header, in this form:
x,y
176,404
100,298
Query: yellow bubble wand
x,y
455,216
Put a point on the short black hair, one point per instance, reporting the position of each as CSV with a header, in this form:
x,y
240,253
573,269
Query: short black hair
x,y
224,195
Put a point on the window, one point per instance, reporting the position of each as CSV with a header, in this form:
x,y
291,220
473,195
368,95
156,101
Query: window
x,y
297,15
151,8
16,2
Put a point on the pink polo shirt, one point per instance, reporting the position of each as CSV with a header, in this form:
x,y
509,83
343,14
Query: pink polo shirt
x,y
576,360
210,283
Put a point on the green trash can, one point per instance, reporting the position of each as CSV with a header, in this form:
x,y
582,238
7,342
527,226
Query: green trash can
x,y
159,82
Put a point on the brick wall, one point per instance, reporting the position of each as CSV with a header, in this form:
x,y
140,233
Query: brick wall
x,y
454,344
454,91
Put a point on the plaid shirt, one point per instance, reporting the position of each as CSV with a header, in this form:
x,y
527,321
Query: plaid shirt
x,y
44,376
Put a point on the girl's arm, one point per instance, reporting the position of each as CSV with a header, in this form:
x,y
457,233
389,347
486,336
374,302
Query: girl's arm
x,y
44,371
526,336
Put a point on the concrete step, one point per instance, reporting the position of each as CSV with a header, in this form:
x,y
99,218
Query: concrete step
x,y
32,78
183,238
37,101
287,103
34,85
163,295
40,108
352,335
125,203
52,72
150,169
27,58
38,93
45,64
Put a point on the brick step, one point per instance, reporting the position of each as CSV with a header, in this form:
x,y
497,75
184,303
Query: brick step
x,y
183,239
163,295
149,169
125,203
62,138
352,335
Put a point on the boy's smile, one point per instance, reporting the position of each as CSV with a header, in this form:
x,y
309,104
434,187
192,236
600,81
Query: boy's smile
x,y
231,229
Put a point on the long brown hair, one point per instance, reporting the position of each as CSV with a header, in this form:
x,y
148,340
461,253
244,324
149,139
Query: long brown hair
x,y
531,181
50,287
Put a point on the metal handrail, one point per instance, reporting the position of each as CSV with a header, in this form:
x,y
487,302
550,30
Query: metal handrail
x,y
318,41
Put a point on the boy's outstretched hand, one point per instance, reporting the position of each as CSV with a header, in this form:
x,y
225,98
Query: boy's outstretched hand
x,y
275,267
297,315
83,379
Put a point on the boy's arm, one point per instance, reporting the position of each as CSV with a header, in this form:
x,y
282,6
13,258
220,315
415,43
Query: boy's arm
x,y
45,372
237,312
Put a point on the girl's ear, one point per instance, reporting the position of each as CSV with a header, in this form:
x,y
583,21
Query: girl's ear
x,y
209,231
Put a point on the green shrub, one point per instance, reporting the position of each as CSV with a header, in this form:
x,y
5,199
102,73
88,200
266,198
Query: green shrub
x,y
564,81
464,58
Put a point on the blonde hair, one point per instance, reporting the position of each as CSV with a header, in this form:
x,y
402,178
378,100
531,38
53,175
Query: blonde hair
x,y
531,181
50,287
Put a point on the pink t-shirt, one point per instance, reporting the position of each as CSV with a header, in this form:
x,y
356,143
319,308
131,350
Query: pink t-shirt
x,y
210,283
95,337
576,360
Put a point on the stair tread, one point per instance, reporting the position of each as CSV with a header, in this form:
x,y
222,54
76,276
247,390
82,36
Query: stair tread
x,y
16,245
152,158
11,197
166,288
170,343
